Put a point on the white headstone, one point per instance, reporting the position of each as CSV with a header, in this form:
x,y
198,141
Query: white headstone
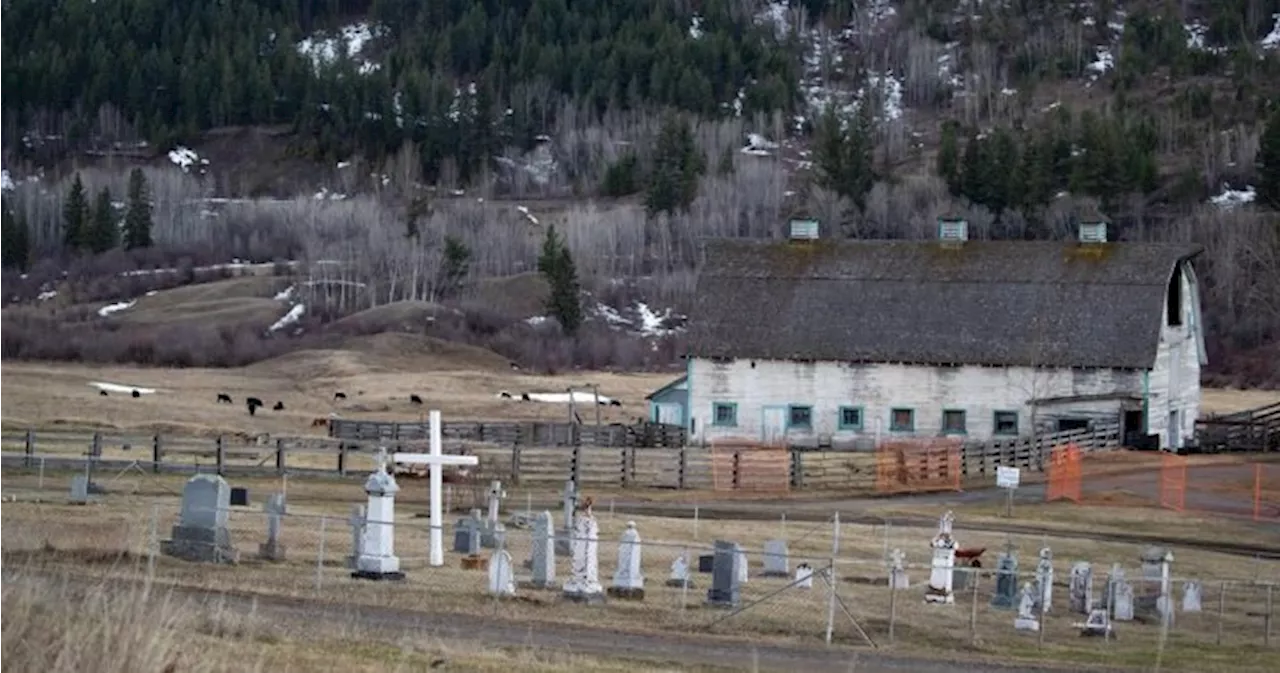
x,y
496,494
436,462
898,570
628,576
1044,579
584,579
378,558
1097,624
273,549
1081,587
804,576
544,551
1122,610
79,489
742,568
1191,596
776,561
1028,618
501,577
679,573
943,563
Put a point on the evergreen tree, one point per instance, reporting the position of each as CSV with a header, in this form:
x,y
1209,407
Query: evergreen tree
x,y
457,263
622,178
843,153
1268,163
75,216
137,221
949,158
15,244
677,166
557,267
103,233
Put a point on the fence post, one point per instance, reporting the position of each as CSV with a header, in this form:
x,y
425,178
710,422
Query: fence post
x,y
515,464
623,451
737,464
684,466
29,449
156,453
280,459
342,459
835,553
575,463
320,554
893,605
153,544
974,577
220,454
1222,609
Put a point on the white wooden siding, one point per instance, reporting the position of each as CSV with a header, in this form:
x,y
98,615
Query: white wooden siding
x,y
1174,384
765,388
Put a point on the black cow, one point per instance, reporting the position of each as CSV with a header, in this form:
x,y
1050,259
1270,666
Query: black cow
x,y
414,399
102,393
252,403
135,393
279,406
224,398
614,403
339,395
525,397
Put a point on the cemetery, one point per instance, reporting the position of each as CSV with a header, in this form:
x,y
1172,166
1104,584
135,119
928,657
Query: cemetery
x,y
930,588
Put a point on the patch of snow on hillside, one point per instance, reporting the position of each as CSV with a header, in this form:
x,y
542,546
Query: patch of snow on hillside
x,y
285,294
116,307
325,195
577,396
47,295
537,320
120,388
890,90
611,315
1272,39
759,145
524,210
293,316
6,181
774,14
1103,60
185,158
1230,198
350,42
655,324
695,27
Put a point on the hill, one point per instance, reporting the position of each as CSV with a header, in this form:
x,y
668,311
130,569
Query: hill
x,y
358,141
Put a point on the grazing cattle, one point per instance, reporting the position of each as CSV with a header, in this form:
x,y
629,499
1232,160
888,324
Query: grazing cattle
x,y
135,393
414,399
278,407
504,395
339,395
524,397
224,398
614,403
319,422
252,403
102,393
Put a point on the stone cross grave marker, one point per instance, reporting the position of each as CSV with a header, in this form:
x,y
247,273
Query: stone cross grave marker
x,y
1028,618
501,574
1191,596
898,570
804,576
378,560
628,581
201,534
583,584
724,591
1097,624
493,534
273,549
544,552
357,523
680,573
776,559
436,461
944,560
569,503
466,534
1044,580
1154,600
1081,597
1006,594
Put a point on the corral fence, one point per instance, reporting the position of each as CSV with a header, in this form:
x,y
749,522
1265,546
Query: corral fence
x,y
1249,430
523,434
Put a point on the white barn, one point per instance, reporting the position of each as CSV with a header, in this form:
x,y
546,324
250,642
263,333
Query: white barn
x,y
820,342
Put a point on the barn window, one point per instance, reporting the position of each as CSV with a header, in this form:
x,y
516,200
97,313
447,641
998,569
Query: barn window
x,y
724,414
953,422
1005,423
902,420
800,418
850,418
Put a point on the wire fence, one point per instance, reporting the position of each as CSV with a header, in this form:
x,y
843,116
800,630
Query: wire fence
x,y
818,580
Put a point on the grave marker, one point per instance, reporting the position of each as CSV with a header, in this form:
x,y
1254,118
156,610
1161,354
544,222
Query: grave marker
x,y
744,572
776,559
628,581
493,534
1044,580
1081,590
897,570
79,489
583,585
1155,600
1006,595
724,591
377,559
436,462
201,534
1122,610
804,576
501,575
1097,624
1028,618
273,549
1191,596
939,590
544,552
680,573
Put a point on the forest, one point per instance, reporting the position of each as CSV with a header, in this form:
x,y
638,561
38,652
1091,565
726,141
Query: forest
x,y
434,127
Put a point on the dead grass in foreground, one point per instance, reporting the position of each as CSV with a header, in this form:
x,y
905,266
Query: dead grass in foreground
x,y
53,627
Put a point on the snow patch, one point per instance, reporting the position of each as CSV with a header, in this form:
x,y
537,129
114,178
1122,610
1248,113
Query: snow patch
x,y
1103,61
325,195
47,295
537,320
653,323
1230,198
577,397
695,27
6,181
116,307
350,42
524,210
186,158
1272,39
285,294
759,145
121,388
293,316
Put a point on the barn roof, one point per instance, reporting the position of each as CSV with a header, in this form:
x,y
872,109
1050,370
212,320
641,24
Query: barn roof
x,y
981,302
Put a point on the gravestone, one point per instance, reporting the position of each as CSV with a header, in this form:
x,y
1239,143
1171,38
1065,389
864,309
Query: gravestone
x,y
944,560
1122,608
583,585
501,574
628,581
1006,595
743,569
1044,581
1028,618
466,535
804,576
1154,600
493,533
1081,597
273,548
706,563
898,570
544,552
80,489
377,559
568,502
201,534
239,496
724,591
356,521
680,574
776,559
1097,624
1113,579
1191,596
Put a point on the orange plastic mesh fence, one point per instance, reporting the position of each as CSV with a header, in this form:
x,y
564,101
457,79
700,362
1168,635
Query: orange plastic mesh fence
x,y
1266,492
1173,482
916,465
1063,481
750,466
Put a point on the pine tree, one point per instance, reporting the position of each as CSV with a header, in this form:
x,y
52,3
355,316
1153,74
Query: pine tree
x,y
677,166
75,216
103,233
137,221
843,154
1268,163
457,262
14,241
949,158
557,267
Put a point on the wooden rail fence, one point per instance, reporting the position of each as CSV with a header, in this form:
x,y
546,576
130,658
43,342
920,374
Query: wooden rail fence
x,y
1249,430
647,435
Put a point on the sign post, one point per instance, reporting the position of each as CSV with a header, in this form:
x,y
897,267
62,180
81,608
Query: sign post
x,y
1008,479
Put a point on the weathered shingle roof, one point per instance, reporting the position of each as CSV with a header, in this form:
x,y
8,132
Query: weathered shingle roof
x,y
983,302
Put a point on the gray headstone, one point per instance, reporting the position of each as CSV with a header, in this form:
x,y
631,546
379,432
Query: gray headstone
x,y
1191,596
1114,578
628,581
1006,595
466,536
898,570
1122,608
79,489
239,496
273,548
201,534
1028,618
1152,600
1044,581
544,552
1081,587
776,559
724,591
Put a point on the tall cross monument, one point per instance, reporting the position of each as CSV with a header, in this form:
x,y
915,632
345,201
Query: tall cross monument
x,y
436,461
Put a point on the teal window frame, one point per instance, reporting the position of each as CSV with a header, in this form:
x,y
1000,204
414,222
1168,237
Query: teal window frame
x,y
995,423
964,421
733,414
791,414
911,427
840,423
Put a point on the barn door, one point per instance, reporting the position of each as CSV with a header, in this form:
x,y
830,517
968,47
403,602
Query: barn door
x,y
670,414
773,424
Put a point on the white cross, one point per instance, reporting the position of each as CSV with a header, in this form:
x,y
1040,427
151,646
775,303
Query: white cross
x,y
436,461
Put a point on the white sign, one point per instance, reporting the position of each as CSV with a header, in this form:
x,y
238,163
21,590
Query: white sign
x,y
1008,477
